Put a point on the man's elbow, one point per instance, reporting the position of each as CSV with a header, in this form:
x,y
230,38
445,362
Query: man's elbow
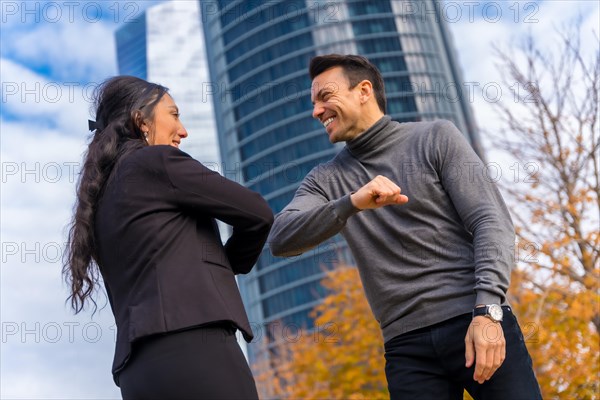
x,y
279,248
275,246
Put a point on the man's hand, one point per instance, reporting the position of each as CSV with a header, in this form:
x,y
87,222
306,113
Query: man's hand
x,y
485,345
379,192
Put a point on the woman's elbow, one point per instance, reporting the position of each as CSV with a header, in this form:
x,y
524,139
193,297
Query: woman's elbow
x,y
265,221
263,214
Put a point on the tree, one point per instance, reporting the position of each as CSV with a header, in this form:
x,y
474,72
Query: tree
x,y
552,133
341,358
551,130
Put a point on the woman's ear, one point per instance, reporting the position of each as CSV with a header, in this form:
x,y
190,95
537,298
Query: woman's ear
x,y
145,128
142,124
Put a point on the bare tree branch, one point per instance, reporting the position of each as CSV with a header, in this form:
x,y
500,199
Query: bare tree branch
x,y
553,127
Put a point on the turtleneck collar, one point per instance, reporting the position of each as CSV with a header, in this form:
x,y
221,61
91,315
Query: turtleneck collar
x,y
371,140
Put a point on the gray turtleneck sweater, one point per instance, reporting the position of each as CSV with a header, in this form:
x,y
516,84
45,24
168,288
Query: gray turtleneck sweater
x,y
450,247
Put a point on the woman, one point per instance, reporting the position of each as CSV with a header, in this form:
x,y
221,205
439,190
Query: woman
x,y
145,219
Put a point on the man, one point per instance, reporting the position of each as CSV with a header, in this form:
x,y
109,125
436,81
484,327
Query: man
x,y
436,268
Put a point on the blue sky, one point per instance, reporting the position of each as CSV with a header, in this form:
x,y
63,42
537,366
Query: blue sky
x,y
51,55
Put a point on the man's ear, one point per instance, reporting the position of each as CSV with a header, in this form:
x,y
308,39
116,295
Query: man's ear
x,y
366,90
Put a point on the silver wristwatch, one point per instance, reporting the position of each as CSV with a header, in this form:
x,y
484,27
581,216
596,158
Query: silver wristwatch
x,y
492,311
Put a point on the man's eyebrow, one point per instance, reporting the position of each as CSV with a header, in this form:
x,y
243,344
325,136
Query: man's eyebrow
x,y
320,94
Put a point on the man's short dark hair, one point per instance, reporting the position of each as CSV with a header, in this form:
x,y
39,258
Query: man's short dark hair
x,y
356,68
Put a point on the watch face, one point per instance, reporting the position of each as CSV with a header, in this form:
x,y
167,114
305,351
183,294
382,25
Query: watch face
x,y
495,312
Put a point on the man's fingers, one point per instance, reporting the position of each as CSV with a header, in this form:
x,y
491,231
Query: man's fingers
x,y
379,192
469,351
481,365
386,192
401,199
491,366
385,189
492,354
498,357
392,199
486,340
497,349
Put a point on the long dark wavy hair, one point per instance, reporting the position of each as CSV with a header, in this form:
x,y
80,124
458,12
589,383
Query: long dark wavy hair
x,y
121,103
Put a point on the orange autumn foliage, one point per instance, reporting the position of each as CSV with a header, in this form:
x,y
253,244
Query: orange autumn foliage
x,y
559,335
341,358
552,131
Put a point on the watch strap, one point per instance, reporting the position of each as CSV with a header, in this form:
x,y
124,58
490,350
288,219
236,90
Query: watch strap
x,y
480,311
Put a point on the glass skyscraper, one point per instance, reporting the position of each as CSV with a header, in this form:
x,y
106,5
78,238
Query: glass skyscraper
x,y
165,45
258,54
131,48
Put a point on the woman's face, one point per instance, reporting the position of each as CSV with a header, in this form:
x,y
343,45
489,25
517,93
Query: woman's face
x,y
166,128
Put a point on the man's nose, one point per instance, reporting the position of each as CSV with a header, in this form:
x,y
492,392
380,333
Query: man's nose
x,y
317,111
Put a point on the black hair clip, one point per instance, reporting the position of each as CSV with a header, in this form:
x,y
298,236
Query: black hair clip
x,y
91,125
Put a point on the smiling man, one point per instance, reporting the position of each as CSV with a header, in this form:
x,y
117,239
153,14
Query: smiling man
x,y
436,268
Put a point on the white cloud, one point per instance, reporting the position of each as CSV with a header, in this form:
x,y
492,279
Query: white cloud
x,y
32,97
43,135
42,142
46,353
474,41
69,48
50,358
38,173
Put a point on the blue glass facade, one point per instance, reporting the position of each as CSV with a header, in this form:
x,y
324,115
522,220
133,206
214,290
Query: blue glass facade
x,y
269,132
131,48
258,54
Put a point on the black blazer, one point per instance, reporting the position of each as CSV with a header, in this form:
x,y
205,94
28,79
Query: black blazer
x,y
159,249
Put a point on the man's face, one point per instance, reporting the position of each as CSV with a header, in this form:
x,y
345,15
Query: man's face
x,y
336,105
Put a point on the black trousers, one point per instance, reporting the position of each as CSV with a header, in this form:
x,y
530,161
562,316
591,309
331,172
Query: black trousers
x,y
200,363
429,363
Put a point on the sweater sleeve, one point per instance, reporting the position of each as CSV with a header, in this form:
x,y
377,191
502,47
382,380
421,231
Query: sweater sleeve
x,y
201,190
471,187
309,219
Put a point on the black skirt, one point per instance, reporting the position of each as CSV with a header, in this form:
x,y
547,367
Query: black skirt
x,y
199,363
